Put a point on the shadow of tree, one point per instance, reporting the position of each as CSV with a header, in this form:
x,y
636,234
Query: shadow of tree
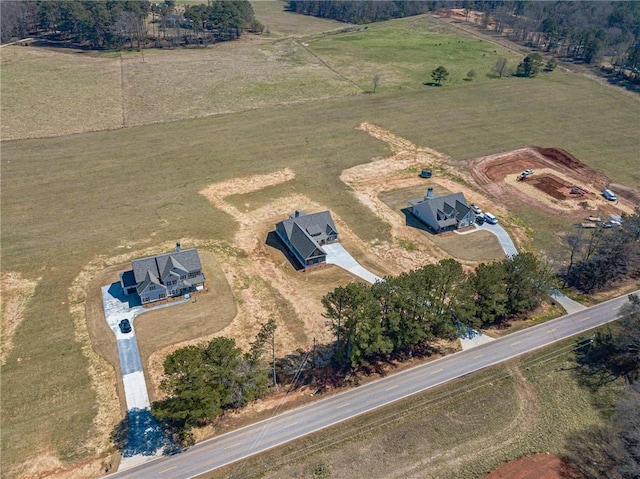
x,y
139,434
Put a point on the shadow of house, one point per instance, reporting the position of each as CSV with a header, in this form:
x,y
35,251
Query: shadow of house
x,y
442,213
303,235
275,242
115,290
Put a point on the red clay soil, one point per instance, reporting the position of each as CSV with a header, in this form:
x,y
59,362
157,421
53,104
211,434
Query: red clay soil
x,y
557,188
538,466
493,168
573,181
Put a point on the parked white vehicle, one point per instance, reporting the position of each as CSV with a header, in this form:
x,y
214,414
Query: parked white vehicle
x,y
489,218
610,195
476,209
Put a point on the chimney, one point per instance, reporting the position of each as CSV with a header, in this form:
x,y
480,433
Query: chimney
x,y
296,214
178,247
429,193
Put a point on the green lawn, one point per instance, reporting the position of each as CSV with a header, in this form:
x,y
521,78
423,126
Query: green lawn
x,y
405,52
69,200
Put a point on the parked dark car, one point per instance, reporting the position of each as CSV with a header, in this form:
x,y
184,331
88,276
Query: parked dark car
x,y
480,219
125,326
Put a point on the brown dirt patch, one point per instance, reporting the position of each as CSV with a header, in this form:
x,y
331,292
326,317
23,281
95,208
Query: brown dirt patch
x,y
537,466
16,292
551,187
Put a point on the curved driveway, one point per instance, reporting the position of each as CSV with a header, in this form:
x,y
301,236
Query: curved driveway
x,y
253,439
503,237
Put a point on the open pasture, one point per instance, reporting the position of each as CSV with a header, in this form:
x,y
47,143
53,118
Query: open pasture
x,y
404,52
78,200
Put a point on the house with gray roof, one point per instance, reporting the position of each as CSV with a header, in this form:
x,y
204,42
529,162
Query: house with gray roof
x,y
443,213
167,275
304,235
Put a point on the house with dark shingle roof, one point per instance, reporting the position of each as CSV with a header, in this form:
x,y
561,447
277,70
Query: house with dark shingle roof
x,y
305,234
443,213
166,275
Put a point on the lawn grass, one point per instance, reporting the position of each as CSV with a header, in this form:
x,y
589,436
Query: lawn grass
x,y
460,430
405,52
69,200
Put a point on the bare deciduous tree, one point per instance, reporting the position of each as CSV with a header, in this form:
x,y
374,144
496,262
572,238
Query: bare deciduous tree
x,y
375,81
500,67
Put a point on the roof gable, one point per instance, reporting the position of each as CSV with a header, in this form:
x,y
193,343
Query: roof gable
x,y
445,210
306,232
160,266
304,243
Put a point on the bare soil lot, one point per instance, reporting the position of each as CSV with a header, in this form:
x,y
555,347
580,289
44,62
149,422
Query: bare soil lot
x,y
561,184
537,466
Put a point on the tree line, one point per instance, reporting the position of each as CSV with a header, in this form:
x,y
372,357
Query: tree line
x,y
115,23
407,312
613,449
604,256
366,11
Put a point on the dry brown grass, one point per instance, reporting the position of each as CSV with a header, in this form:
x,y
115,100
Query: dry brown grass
x,y
16,291
47,92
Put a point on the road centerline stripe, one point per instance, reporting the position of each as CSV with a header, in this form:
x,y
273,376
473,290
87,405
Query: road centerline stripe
x,y
343,405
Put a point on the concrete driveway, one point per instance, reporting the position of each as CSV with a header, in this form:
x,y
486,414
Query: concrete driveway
x,y
569,305
336,254
145,439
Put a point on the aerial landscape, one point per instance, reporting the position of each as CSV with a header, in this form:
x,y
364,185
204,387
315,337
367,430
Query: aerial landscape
x,y
350,239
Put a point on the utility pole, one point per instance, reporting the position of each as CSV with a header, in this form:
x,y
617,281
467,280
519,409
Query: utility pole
x,y
273,356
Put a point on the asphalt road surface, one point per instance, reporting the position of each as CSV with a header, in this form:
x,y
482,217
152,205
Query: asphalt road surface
x,y
258,437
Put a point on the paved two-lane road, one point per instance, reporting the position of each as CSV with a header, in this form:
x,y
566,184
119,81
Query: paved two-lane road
x,y
288,426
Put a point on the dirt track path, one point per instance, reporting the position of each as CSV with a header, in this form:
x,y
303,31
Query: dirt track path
x,y
522,423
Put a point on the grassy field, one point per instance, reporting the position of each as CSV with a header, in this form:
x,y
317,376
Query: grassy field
x,y
71,200
461,430
405,52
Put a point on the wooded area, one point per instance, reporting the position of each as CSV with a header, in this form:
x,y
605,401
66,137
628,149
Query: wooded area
x,y
140,24
612,451
603,256
410,311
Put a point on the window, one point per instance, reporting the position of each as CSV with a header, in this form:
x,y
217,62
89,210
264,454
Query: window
x,y
145,299
183,277
162,296
152,287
